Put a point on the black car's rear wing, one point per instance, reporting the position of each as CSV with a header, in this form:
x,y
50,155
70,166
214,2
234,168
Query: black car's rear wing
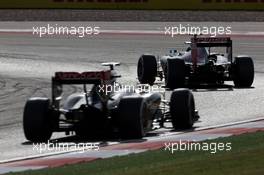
x,y
210,42
81,78
66,78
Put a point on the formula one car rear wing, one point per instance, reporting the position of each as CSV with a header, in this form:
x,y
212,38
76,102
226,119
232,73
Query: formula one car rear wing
x,y
81,78
210,42
84,78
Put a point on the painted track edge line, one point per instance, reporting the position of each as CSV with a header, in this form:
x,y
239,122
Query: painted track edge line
x,y
209,128
133,32
198,129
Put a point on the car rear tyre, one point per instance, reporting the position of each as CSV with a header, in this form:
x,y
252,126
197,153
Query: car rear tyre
x,y
37,121
131,118
147,69
182,109
175,76
243,71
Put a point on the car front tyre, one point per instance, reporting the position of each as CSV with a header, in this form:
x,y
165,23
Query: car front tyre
x,y
182,109
147,69
175,75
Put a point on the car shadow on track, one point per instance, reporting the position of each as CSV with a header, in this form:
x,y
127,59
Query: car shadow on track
x,y
245,87
106,141
224,87
207,88
212,88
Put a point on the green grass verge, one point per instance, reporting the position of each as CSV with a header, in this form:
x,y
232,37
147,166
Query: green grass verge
x,y
246,157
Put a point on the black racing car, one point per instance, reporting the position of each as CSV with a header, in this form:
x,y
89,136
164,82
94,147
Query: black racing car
x,y
94,112
198,64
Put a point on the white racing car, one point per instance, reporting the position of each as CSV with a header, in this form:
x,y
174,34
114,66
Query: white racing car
x,y
198,64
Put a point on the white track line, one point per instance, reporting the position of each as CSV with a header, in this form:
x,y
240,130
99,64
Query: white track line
x,y
135,32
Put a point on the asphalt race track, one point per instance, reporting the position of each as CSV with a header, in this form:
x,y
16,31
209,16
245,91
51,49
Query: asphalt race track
x,y
27,63
128,15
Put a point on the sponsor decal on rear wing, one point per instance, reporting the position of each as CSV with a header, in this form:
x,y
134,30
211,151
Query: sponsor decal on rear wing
x,y
82,78
212,41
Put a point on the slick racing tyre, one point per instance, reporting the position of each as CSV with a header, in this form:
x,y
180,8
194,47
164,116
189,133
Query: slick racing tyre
x,y
147,69
243,71
37,121
175,76
131,118
182,109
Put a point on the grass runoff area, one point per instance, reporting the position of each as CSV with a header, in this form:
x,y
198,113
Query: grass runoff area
x,y
246,157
